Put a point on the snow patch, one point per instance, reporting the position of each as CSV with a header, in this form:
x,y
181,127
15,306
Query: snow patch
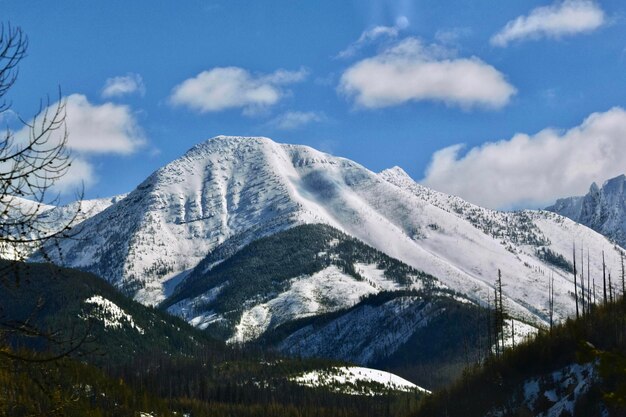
x,y
355,380
110,314
323,292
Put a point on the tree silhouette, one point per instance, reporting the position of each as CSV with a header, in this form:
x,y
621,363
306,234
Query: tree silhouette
x,y
33,158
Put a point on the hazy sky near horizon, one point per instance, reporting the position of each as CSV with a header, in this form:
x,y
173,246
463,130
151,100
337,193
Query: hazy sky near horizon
x,y
507,106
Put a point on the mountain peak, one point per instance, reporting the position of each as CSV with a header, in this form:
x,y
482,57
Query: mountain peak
x,y
615,184
602,209
395,171
228,141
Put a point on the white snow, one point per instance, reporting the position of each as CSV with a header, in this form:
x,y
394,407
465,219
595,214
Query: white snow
x,y
246,188
523,331
348,380
375,277
555,394
110,314
325,291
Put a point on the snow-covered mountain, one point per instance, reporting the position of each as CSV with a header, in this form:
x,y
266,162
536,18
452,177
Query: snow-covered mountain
x,y
229,191
601,209
45,219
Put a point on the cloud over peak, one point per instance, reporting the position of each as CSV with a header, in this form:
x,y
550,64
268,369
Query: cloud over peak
x,y
409,71
534,169
564,18
224,88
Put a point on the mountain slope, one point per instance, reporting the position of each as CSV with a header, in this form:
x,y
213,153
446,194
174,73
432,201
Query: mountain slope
x,y
313,291
601,209
138,360
232,191
305,271
75,304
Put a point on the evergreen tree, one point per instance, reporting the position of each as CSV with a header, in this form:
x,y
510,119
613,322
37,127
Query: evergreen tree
x,y
575,282
604,278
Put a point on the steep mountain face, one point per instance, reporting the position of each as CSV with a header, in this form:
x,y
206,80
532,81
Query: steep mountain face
x,y
308,270
230,191
313,291
602,209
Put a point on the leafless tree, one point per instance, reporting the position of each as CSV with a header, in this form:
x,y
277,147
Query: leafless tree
x,y
33,157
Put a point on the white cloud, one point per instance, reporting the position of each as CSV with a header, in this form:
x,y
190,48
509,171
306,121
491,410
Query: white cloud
x,y
534,170
409,71
100,129
561,19
123,85
295,119
92,130
371,35
81,173
232,87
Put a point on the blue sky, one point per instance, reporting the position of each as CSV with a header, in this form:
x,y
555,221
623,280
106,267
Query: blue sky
x,y
381,82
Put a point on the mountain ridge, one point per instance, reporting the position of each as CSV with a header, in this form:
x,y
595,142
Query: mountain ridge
x,y
603,209
236,190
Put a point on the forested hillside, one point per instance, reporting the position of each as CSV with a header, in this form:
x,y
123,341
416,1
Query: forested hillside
x,y
578,369
83,349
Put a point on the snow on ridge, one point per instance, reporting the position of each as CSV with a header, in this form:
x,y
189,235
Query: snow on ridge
x,y
323,292
110,314
231,187
350,379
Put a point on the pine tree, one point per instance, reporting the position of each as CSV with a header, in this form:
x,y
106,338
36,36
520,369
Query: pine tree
x,y
588,282
623,279
501,313
582,279
604,277
575,282
551,300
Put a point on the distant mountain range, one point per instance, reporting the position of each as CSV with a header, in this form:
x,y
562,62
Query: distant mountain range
x,y
259,241
602,209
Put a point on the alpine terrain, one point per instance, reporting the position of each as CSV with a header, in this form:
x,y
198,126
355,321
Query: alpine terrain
x,y
601,209
193,238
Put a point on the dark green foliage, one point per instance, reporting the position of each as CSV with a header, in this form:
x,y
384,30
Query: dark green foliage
x,y
556,259
437,353
599,337
53,299
170,369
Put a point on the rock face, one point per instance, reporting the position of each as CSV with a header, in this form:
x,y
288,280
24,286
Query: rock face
x,y
602,209
228,192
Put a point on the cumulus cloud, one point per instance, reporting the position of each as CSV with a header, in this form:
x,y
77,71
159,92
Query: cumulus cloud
x,y
100,129
123,85
371,35
534,170
295,119
92,130
565,18
232,87
409,71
